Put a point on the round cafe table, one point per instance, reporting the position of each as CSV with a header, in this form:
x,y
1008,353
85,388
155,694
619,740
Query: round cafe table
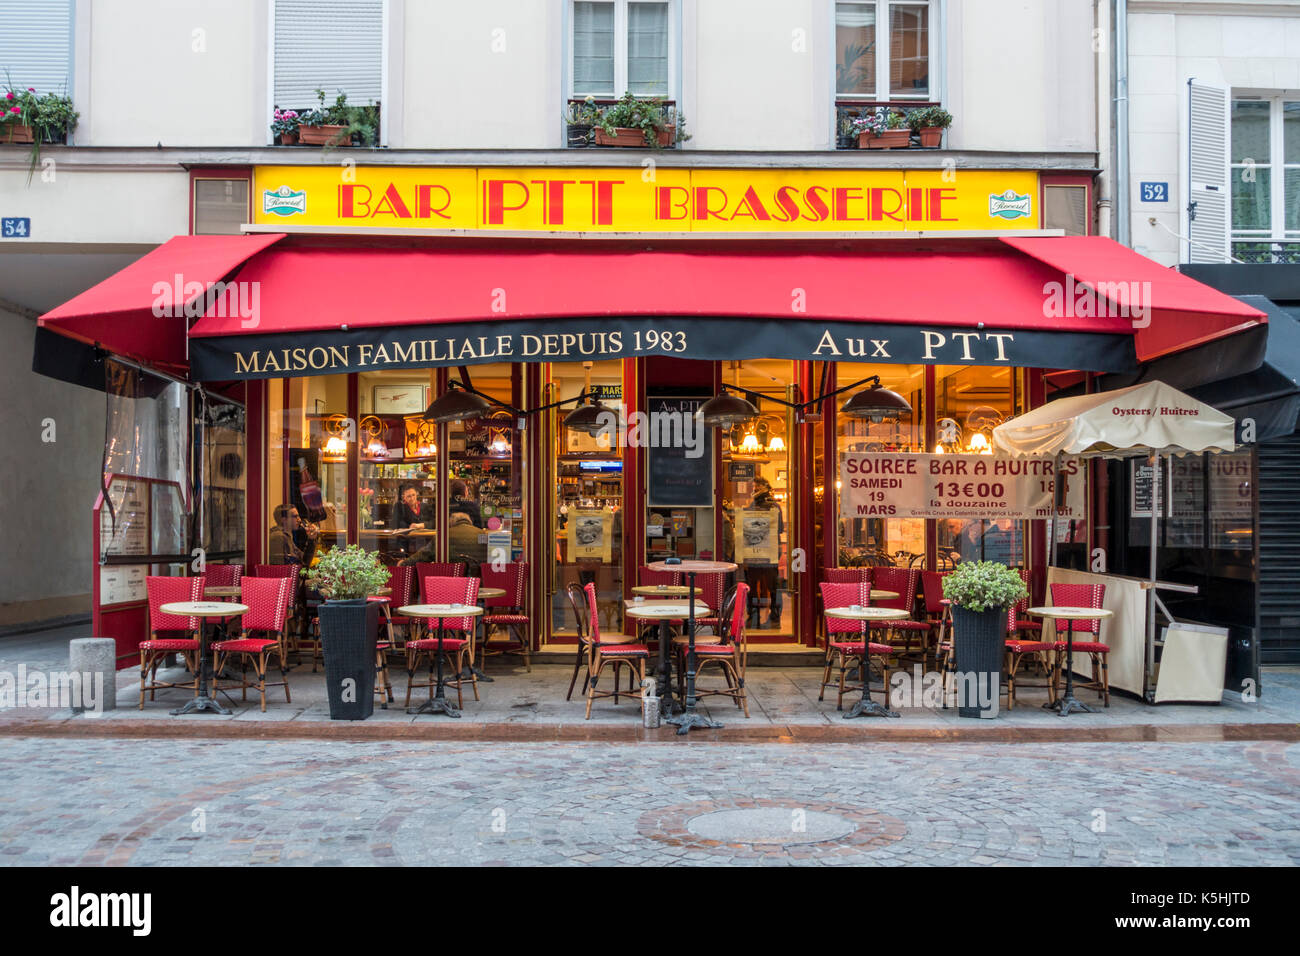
x,y
665,590
866,707
484,595
438,703
217,592
205,610
1069,615
689,717
665,612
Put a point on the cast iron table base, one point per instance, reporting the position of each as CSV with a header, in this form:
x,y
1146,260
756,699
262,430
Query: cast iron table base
x,y
1068,703
438,703
690,717
203,701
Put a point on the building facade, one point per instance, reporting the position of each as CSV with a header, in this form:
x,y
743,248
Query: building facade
x,y
468,141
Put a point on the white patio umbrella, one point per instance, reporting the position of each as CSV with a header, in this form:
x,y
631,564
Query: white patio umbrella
x,y
1152,419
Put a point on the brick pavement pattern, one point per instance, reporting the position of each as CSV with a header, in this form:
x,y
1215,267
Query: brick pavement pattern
x,y
206,801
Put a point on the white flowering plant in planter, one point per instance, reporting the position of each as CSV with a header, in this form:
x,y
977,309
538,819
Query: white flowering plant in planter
x,y
347,574
983,585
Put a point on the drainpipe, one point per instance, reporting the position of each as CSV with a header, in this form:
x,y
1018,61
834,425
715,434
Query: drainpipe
x,y
1105,117
1124,223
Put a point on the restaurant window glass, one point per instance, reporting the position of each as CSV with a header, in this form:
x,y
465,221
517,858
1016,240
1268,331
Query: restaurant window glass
x,y
970,401
311,430
224,467
397,493
756,483
485,469
872,541
587,507
621,46
871,63
1265,160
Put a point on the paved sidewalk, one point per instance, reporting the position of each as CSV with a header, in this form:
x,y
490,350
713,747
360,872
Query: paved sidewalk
x,y
207,802
522,705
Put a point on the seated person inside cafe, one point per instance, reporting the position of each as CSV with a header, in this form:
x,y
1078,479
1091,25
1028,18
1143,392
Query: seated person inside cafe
x,y
291,542
463,503
466,543
409,512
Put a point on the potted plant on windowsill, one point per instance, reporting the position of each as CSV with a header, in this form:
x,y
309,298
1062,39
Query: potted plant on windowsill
x,y
980,592
349,625
883,129
928,123
634,122
284,125
16,110
579,122
26,118
337,124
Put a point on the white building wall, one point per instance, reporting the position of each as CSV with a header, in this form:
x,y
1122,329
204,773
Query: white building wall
x,y
756,78
1170,43
78,204
178,73
1021,74
481,75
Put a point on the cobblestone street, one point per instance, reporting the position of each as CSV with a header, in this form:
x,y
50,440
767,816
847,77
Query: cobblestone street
x,y
206,801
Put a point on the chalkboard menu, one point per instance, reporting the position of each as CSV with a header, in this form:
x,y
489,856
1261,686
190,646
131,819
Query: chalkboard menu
x,y
676,478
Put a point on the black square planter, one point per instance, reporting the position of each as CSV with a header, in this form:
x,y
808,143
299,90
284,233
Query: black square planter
x,y
980,640
348,631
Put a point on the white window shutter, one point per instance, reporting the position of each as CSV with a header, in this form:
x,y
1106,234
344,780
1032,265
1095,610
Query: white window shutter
x,y
36,44
1207,176
331,46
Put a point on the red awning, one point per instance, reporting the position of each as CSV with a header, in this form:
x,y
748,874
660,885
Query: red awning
x,y
1169,311
312,289
141,311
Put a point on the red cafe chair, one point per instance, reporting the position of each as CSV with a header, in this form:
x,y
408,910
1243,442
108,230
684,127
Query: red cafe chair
x,y
903,581
444,590
729,653
860,575
437,569
847,641
267,612
611,649
508,613
223,575
1090,596
165,590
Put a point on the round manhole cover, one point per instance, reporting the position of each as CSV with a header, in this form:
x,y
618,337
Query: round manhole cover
x,y
770,826
779,829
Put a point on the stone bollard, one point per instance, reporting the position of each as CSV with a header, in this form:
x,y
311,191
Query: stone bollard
x,y
95,660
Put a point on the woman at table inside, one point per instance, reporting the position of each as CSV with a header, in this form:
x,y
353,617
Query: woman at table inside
x,y
409,514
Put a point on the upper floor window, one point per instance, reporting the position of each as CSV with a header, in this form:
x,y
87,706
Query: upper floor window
x,y
882,50
1265,169
334,47
36,45
622,46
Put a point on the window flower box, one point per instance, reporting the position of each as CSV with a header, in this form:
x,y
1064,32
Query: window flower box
x,y
623,136
16,133
888,139
324,135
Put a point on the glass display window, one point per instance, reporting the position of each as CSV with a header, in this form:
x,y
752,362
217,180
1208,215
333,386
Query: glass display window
x,y
880,541
310,438
970,401
397,488
588,500
485,470
756,487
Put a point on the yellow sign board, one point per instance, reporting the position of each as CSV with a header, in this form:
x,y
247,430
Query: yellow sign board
x,y
575,200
